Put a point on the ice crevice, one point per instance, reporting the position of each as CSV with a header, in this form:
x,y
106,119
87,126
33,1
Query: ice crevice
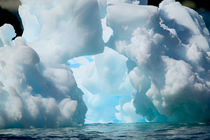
x,y
92,62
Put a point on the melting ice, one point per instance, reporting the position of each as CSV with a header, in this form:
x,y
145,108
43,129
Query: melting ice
x,y
92,62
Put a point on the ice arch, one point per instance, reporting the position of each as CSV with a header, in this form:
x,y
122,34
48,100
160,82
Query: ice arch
x,y
155,65
167,60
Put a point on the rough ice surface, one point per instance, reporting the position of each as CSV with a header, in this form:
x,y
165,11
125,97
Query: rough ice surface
x,y
106,86
142,63
170,56
66,28
32,95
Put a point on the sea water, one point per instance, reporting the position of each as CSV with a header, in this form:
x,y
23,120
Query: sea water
x,y
136,131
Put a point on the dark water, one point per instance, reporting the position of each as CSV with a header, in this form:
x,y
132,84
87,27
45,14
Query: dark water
x,y
136,131
206,17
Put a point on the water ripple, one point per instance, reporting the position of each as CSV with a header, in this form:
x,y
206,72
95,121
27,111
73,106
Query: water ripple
x,y
136,131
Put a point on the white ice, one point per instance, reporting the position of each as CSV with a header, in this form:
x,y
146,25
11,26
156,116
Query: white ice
x,y
132,62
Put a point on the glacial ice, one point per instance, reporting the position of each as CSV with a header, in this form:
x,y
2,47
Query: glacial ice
x,y
33,95
106,86
92,62
171,56
67,28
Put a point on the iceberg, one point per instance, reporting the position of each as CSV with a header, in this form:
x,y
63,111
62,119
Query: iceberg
x,y
33,95
104,61
170,51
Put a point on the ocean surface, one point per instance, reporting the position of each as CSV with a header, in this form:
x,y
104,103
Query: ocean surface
x,y
136,131
206,17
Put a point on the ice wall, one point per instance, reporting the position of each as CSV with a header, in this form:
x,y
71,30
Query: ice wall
x,y
37,88
32,95
154,64
65,28
169,46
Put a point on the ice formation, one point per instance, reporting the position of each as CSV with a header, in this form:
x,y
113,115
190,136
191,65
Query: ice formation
x,y
142,63
169,46
33,95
